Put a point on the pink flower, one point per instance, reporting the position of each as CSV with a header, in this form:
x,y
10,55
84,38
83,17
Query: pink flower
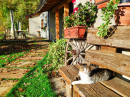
x,y
75,9
73,1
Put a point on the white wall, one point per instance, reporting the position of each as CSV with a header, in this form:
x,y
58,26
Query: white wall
x,y
44,16
34,25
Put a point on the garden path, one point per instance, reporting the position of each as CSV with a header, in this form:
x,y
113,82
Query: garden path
x,y
12,71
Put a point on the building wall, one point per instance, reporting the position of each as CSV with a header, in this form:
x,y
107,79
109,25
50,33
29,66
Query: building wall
x,y
44,33
34,25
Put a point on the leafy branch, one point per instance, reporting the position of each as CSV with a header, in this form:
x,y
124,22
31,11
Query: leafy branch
x,y
106,17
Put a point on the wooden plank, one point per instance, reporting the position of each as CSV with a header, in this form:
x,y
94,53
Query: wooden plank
x,y
66,9
119,37
114,61
85,91
94,90
57,24
119,86
109,49
103,91
69,73
60,5
75,94
69,90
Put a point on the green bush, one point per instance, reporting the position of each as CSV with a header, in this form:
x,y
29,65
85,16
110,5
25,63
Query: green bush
x,y
56,53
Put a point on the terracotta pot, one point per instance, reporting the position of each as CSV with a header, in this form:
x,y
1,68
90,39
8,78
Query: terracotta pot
x,y
75,32
101,3
122,14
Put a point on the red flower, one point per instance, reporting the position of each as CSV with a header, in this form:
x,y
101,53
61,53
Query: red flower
x,y
73,1
75,9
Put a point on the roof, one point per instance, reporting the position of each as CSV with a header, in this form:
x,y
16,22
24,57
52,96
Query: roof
x,y
30,15
46,5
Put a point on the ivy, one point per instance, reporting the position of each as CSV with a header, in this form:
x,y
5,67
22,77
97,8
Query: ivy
x,y
106,17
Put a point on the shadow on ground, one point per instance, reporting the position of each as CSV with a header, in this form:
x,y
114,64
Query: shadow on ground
x,y
9,47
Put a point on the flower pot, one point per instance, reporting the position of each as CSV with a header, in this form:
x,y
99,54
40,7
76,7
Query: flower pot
x,y
101,3
75,32
122,14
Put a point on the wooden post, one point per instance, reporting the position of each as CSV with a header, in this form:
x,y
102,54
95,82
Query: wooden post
x,y
57,24
69,90
66,10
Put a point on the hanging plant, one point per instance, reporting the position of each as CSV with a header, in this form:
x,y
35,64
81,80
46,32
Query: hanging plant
x,y
108,13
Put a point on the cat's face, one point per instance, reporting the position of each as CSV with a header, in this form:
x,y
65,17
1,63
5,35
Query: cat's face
x,y
85,69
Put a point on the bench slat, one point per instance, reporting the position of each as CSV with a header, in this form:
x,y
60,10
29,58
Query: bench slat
x,y
69,73
94,90
119,86
120,38
114,61
85,90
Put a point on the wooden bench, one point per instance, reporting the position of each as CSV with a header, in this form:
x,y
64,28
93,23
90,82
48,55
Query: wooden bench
x,y
106,57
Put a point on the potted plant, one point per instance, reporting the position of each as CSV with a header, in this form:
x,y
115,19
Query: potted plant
x,y
82,17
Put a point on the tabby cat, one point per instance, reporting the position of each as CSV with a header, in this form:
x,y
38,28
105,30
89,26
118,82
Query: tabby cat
x,y
88,76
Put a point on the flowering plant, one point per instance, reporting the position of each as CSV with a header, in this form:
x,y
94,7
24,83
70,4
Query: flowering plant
x,y
38,31
83,15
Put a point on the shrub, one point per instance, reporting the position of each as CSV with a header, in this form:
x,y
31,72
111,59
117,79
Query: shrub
x,y
56,53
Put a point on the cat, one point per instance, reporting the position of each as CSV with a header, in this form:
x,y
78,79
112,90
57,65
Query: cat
x,y
88,76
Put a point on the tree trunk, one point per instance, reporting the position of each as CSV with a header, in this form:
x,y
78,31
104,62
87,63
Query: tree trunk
x,y
13,34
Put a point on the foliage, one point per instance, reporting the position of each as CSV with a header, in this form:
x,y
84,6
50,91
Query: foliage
x,y
56,53
53,33
106,17
44,28
20,9
85,15
1,35
35,83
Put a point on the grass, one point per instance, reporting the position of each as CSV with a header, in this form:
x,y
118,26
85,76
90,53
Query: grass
x,y
35,83
11,57
1,35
